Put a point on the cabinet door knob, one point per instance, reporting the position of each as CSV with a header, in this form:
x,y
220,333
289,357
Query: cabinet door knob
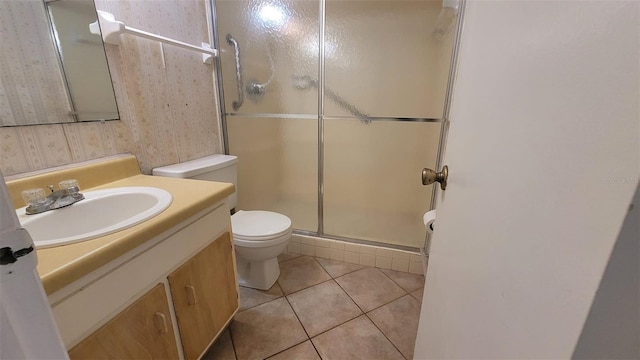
x,y
191,295
161,322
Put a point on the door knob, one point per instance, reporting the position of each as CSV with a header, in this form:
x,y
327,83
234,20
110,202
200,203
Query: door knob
x,y
429,177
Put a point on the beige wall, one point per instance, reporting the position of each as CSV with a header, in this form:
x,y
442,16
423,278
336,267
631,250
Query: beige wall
x,y
167,103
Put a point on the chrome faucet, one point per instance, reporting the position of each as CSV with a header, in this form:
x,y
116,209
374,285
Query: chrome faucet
x,y
56,199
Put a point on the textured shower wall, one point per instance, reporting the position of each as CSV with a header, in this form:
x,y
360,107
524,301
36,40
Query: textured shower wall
x,y
382,57
166,98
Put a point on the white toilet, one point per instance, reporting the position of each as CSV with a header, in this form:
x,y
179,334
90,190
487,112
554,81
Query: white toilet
x,y
259,236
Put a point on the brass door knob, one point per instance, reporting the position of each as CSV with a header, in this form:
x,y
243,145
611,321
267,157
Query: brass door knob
x,y
429,177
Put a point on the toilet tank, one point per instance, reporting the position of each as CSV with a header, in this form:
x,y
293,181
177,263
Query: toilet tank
x,y
222,168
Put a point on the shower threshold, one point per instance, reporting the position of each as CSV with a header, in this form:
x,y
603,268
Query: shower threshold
x,y
358,251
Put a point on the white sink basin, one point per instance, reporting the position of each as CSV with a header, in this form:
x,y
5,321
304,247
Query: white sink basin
x,y
102,212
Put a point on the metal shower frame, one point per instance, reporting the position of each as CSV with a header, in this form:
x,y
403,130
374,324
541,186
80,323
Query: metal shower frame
x,y
212,13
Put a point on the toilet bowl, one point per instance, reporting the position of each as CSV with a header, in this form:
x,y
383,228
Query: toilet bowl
x,y
258,236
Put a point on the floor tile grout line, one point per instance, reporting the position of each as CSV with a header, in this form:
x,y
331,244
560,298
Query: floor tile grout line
x,y
377,307
366,313
334,279
305,288
387,303
309,338
315,348
333,327
395,282
251,307
309,287
351,319
363,266
303,329
294,312
298,318
337,326
233,344
411,293
283,294
325,271
301,324
385,335
289,348
357,316
350,297
293,258
376,325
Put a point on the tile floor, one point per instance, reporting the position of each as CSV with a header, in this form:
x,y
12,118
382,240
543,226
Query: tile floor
x,y
324,309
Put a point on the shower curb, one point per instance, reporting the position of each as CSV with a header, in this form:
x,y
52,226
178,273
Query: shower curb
x,y
361,254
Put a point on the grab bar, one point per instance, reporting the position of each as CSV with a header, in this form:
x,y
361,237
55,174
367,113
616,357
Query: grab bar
x,y
305,82
236,48
344,103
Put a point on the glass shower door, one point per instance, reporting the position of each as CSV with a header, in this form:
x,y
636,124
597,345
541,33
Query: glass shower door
x,y
388,59
372,184
268,51
378,95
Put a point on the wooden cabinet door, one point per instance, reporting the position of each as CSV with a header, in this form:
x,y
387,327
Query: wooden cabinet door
x,y
141,331
204,295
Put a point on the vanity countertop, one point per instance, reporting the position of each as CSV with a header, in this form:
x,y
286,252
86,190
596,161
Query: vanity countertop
x,y
62,265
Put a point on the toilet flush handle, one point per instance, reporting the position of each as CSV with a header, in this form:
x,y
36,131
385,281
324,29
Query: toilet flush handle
x,y
429,177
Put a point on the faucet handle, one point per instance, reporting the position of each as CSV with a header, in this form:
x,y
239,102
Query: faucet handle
x,y
71,185
34,197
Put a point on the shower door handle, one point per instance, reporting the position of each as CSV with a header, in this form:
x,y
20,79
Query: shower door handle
x,y
429,177
236,52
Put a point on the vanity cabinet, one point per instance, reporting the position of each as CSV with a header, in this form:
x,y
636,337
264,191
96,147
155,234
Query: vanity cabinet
x,y
141,331
191,272
204,295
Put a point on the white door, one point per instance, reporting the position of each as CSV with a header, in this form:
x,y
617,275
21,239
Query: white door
x,y
544,158
27,327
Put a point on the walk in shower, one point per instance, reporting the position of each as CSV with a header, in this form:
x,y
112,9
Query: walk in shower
x,y
334,107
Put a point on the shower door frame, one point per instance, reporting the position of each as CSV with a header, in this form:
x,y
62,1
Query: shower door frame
x,y
444,121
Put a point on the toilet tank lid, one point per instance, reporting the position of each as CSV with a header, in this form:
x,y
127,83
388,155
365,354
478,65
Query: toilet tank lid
x,y
189,169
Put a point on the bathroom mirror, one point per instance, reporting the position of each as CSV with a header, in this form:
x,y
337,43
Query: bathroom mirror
x,y
52,68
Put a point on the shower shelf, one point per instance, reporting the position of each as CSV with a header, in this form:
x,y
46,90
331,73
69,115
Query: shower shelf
x,y
112,29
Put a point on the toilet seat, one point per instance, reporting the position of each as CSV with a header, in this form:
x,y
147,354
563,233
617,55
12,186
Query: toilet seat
x,y
259,226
